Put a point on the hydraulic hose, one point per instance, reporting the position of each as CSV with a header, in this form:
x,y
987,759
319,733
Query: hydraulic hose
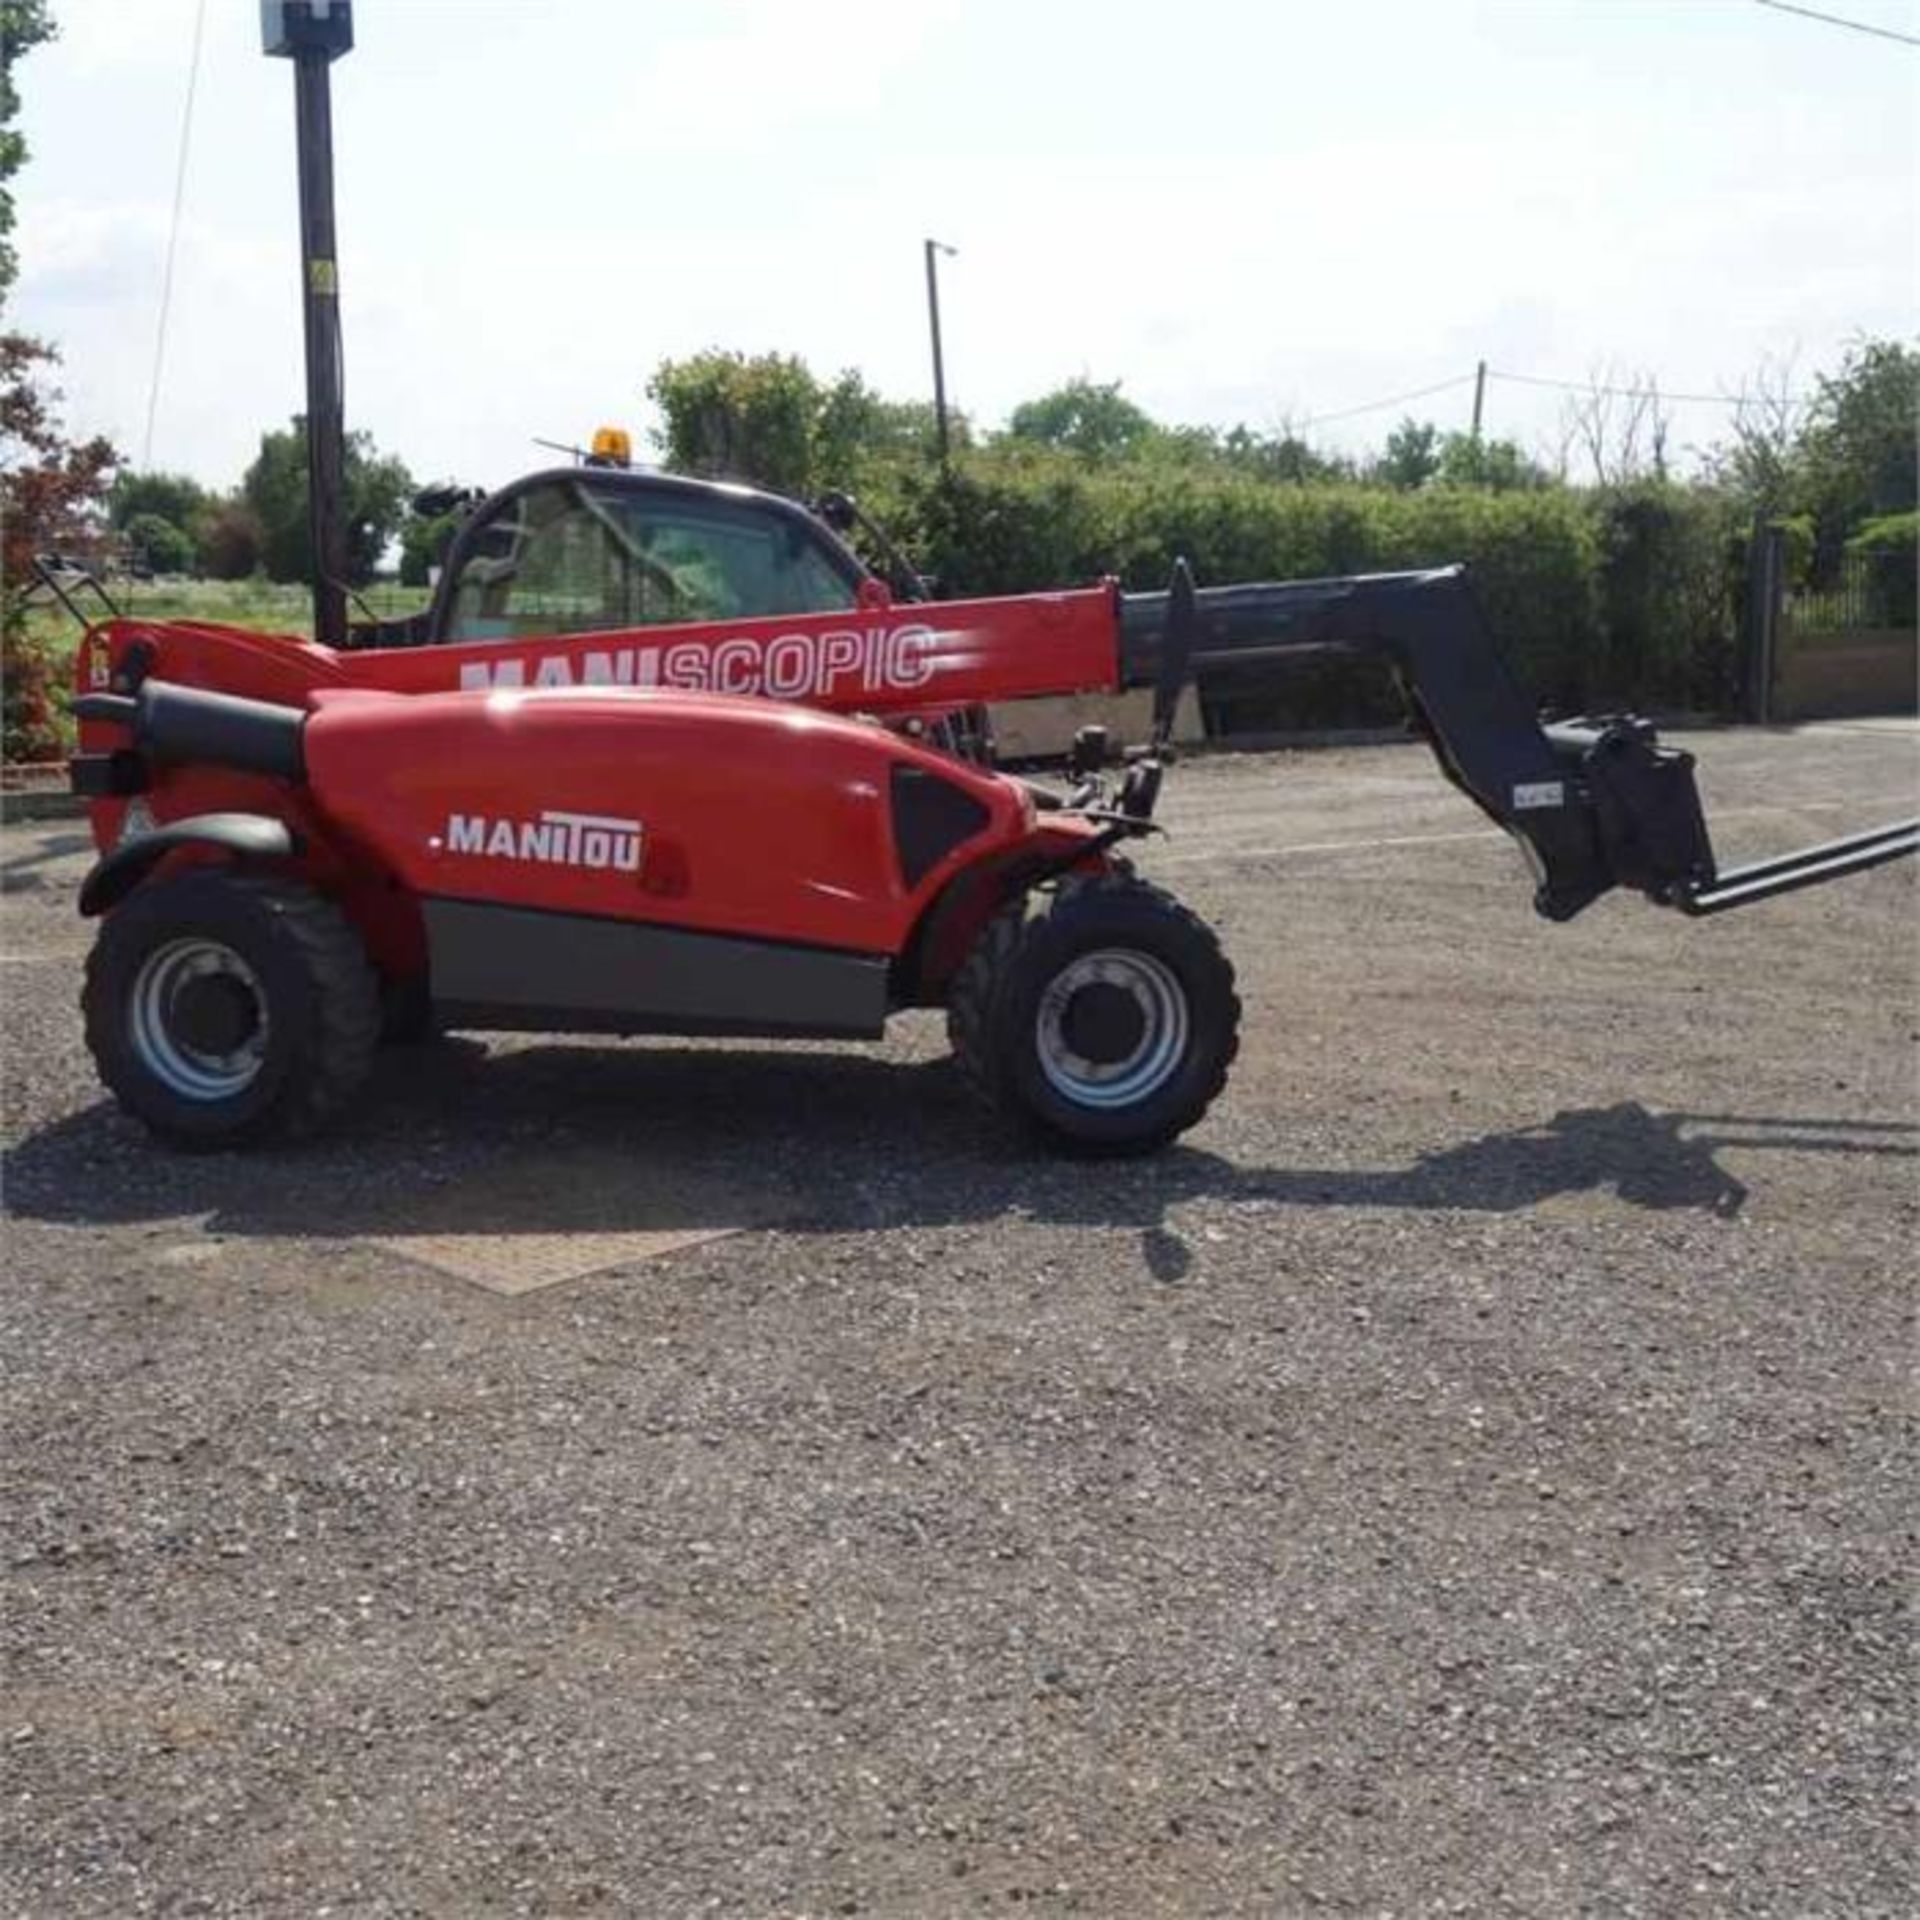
x,y
187,725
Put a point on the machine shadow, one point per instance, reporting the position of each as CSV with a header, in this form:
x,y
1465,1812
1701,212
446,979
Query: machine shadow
x,y
601,1139
22,870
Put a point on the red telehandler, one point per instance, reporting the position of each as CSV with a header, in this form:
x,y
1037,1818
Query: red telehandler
x,y
663,756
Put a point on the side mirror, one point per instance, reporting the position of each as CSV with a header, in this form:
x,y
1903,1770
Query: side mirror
x,y
431,502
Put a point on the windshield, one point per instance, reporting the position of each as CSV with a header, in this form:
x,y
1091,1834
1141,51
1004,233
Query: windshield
x,y
567,556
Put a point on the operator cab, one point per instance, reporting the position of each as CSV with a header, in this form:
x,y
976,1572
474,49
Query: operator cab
x,y
599,548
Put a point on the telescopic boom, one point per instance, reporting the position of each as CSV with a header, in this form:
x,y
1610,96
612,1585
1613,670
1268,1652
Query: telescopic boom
x,y
1594,802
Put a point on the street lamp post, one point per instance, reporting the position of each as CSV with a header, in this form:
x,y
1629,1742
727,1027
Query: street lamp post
x,y
935,247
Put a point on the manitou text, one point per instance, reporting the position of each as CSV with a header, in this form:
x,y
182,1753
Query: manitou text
x,y
555,839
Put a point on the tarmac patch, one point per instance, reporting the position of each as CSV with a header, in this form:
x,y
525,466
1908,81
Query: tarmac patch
x,y
536,1226
529,1262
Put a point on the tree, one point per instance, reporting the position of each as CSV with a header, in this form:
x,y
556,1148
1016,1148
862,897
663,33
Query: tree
x,y
227,541
423,545
1282,455
50,488
730,417
170,496
159,545
1860,450
51,491
1412,457
24,25
767,419
377,488
1083,417
1827,465
1497,465
162,515
1761,463
1621,427
854,429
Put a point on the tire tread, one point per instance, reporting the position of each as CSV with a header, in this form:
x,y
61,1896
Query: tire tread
x,y
970,1001
346,1001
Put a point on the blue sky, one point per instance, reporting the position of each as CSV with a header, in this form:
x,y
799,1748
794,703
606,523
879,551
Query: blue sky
x,y
1243,212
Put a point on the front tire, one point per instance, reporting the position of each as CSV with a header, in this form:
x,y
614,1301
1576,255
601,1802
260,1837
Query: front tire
x,y
225,1007
407,1018
1101,1015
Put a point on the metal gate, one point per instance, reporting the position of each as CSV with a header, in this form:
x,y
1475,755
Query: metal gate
x,y
1846,648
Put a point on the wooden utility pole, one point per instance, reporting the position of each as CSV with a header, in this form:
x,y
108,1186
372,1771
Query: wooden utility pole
x,y
313,34
1479,396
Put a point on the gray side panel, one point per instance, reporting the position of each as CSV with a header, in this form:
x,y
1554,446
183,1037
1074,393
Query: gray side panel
x,y
513,967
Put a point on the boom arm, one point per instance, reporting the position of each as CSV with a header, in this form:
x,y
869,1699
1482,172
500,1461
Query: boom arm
x,y
1594,802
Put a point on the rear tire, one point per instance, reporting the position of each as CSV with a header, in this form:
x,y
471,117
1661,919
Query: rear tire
x,y
1102,1015
225,1007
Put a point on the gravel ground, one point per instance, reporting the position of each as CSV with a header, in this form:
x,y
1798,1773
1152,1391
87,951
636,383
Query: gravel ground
x,y
1471,1475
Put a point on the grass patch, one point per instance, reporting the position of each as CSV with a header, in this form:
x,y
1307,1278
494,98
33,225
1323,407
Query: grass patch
x,y
264,604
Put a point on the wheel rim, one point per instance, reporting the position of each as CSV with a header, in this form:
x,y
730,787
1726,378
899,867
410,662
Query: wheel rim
x,y
197,1019
1122,978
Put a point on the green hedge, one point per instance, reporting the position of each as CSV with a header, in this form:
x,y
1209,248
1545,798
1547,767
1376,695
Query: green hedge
x,y
1627,596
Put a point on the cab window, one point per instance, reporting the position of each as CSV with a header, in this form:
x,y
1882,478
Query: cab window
x,y
568,556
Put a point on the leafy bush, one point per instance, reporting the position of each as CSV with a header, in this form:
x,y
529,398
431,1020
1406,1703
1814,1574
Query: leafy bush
x,y
32,699
1013,523
1889,547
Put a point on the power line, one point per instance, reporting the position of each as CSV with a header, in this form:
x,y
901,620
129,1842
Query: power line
x,y
1392,400
173,235
1584,387
1834,20
1622,393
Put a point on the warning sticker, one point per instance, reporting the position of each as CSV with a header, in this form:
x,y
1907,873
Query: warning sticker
x,y
1539,793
